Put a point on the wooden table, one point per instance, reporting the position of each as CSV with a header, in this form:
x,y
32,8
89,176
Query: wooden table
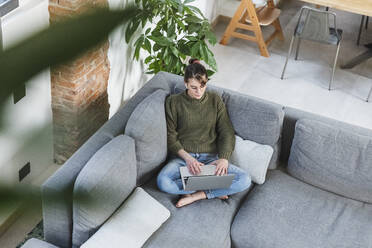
x,y
362,7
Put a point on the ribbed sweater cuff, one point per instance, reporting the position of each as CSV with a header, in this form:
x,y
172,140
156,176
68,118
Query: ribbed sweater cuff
x,y
175,147
225,155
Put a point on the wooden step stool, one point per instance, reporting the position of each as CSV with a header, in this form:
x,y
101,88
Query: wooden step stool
x,y
247,17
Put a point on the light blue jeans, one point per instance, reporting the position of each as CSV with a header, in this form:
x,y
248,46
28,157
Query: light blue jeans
x,y
169,178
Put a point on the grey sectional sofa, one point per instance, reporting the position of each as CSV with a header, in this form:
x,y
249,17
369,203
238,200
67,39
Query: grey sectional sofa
x,y
318,191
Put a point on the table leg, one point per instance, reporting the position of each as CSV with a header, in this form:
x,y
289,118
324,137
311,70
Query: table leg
x,y
360,29
359,59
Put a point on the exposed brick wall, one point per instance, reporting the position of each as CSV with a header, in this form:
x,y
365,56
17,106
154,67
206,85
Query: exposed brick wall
x,y
79,88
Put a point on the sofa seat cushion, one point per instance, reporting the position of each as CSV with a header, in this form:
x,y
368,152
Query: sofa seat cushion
x,y
204,223
285,212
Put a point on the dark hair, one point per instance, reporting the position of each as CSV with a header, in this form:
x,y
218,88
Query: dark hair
x,y
197,71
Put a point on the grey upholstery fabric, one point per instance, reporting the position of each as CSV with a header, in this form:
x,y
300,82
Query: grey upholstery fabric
x,y
287,213
289,123
57,193
57,190
36,243
147,126
205,223
102,185
255,119
333,159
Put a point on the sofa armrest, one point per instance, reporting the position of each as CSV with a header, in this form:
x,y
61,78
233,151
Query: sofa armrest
x,y
57,192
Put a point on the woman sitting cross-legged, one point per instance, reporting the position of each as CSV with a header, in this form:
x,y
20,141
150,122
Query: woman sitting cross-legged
x,y
199,132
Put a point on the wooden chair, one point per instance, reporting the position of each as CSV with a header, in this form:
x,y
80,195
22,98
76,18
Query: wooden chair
x,y
247,17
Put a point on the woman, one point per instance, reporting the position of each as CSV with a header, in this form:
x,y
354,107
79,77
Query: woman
x,y
199,132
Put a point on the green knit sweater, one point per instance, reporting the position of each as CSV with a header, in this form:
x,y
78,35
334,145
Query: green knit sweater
x,y
199,125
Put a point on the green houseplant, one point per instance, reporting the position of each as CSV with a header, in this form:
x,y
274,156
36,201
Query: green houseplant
x,y
177,31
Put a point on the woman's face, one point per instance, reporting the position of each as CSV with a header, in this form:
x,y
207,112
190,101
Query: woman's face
x,y
195,89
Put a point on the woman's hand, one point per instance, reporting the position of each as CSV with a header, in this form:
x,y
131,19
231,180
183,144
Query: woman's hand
x,y
193,165
221,166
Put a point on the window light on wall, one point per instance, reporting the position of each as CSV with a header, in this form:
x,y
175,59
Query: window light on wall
x,y
7,6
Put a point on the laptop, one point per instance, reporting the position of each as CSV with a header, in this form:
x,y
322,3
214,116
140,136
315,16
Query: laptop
x,y
205,180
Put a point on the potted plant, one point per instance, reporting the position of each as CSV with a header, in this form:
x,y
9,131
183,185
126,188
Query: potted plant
x,y
178,31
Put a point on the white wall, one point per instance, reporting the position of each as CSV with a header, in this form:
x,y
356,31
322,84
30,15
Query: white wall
x,y
27,132
208,7
126,74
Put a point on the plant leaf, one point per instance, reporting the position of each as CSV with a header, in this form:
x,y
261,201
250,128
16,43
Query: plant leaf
x,y
138,44
211,37
194,49
210,73
195,9
147,45
131,28
211,60
161,40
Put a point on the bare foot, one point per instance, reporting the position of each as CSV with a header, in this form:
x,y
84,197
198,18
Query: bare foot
x,y
188,199
224,197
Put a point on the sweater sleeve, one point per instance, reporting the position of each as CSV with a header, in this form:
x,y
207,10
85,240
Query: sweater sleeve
x,y
174,145
225,132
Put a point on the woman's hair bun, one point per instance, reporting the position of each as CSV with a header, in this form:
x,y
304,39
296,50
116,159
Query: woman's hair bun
x,y
193,60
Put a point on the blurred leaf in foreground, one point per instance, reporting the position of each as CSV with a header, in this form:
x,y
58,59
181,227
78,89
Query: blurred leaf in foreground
x,y
59,43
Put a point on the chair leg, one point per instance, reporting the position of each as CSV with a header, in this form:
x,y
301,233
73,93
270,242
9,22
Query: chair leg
x,y
369,94
360,30
334,66
289,53
367,22
298,48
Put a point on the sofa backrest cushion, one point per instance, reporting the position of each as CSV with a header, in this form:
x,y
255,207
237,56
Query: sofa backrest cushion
x,y
333,159
256,120
103,184
147,126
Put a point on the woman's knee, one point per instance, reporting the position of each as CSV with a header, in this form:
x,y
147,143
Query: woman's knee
x,y
165,184
246,180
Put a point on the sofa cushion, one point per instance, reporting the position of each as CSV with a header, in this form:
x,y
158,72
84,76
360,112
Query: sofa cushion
x,y
132,224
287,213
204,223
36,243
292,115
255,119
147,126
333,159
102,185
252,157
